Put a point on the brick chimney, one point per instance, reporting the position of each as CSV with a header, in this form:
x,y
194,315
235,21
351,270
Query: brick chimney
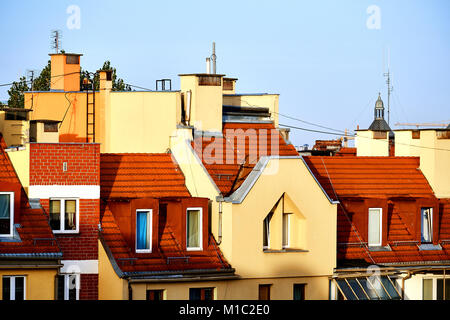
x,y
65,71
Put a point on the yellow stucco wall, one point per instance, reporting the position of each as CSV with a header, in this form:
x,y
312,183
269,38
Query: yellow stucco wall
x,y
206,104
290,176
20,159
281,288
367,146
39,283
434,159
15,132
270,101
142,121
110,286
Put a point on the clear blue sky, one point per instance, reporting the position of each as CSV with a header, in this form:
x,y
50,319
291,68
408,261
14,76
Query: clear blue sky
x,y
319,56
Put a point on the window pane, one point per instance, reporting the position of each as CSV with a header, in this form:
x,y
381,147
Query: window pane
x,y
285,230
346,290
374,227
264,292
426,225
208,293
194,294
142,234
193,226
5,215
440,289
155,295
20,285
6,292
72,287
70,215
368,289
390,288
55,214
299,291
60,287
427,289
357,289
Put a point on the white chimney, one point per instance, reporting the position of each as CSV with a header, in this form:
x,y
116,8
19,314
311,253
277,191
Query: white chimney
x,y
208,65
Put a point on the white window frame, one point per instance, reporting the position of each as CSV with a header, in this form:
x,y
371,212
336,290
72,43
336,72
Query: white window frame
x,y
434,280
431,224
12,286
62,214
288,230
66,285
200,231
268,232
11,215
149,230
381,228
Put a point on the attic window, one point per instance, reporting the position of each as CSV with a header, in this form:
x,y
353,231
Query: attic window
x,y
379,134
426,225
194,229
375,225
227,84
72,59
209,81
266,231
6,214
144,230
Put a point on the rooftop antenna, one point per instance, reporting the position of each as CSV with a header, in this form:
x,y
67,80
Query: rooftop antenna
x,y
388,82
213,58
56,40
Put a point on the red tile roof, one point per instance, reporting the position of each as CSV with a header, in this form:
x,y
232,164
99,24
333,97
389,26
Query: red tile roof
x,y
36,236
370,176
346,152
380,178
131,175
128,261
229,159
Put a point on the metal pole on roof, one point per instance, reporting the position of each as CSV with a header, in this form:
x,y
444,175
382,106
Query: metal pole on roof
x,y
213,57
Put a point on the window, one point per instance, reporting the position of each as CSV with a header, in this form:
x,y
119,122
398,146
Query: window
x,y
155,295
144,230
427,225
286,218
68,287
433,289
64,215
6,214
264,292
71,59
299,291
50,127
375,224
201,293
266,231
13,288
194,229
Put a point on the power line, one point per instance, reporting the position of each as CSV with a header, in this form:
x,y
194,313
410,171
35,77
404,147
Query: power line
x,y
310,123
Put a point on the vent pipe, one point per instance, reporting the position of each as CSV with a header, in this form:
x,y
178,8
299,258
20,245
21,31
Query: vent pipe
x,y
208,65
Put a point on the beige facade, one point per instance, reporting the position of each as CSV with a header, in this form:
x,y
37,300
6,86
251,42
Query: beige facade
x,y
39,283
372,143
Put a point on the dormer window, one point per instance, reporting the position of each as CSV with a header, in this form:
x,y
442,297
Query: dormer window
x,y
427,225
6,214
194,229
375,226
144,230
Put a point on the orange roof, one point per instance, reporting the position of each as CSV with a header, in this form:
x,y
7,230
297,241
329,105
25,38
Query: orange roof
x,y
229,159
169,257
36,237
346,152
370,176
131,175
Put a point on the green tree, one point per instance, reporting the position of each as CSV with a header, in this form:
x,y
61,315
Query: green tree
x,y
42,83
16,98
117,83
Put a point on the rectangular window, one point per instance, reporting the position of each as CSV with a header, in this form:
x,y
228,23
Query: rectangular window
x,y
427,225
266,231
375,225
6,214
433,289
286,217
194,229
144,230
299,291
201,293
13,288
264,292
50,127
155,295
68,287
64,215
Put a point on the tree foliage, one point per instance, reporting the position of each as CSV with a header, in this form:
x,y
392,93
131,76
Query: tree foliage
x,y
16,97
117,83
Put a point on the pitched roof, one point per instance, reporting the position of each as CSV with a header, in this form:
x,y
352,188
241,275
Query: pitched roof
x,y
370,176
229,159
169,257
36,236
131,175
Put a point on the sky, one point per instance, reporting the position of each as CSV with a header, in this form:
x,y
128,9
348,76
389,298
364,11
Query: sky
x,y
325,58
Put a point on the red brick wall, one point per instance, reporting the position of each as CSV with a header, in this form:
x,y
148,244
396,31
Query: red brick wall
x,y
46,164
89,287
82,245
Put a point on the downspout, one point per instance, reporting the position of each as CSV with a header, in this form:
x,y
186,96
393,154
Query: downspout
x,y
410,273
219,238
